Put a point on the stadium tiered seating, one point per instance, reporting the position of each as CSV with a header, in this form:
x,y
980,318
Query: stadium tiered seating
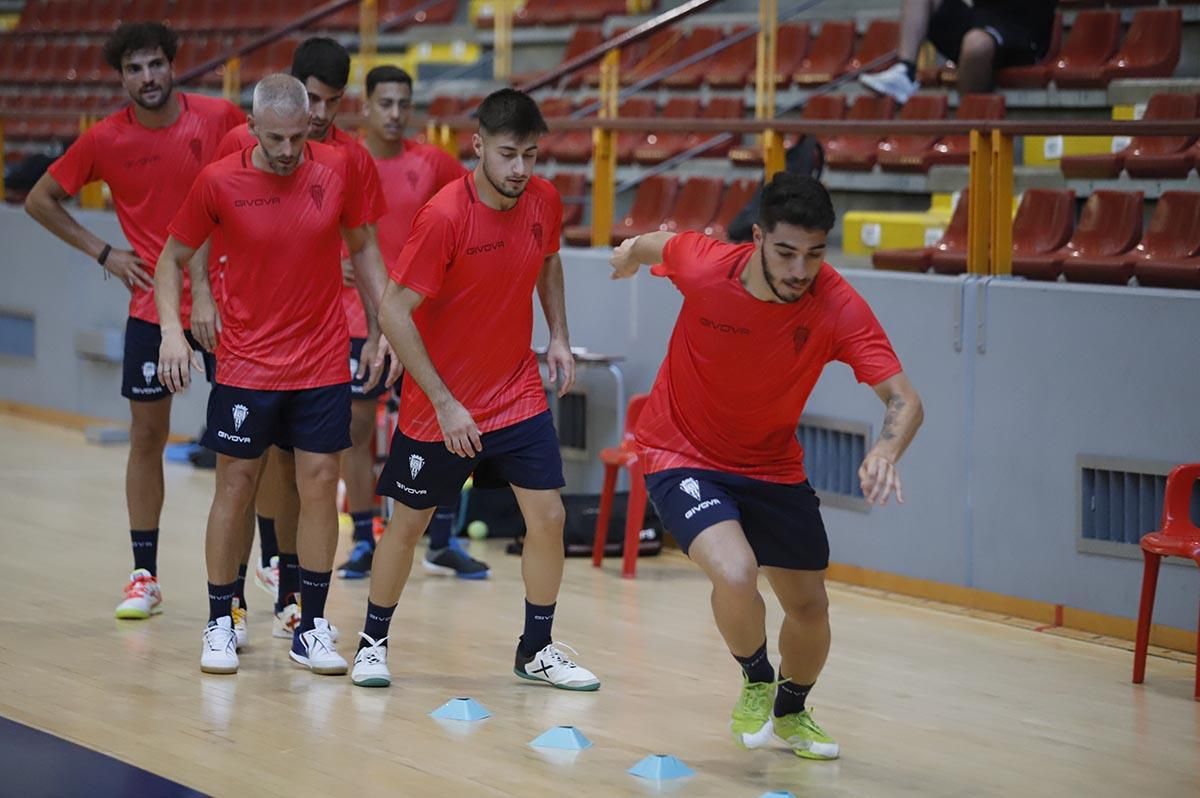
x,y
658,147
953,242
696,204
1033,76
790,49
1146,156
734,66
827,57
909,153
737,195
1151,48
1092,41
880,38
1111,224
1172,235
858,152
570,184
957,149
692,76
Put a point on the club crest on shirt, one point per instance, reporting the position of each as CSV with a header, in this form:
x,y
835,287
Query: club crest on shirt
x,y
536,230
197,150
800,338
317,192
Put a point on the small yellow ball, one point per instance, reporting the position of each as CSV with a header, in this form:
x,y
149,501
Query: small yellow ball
x,y
477,530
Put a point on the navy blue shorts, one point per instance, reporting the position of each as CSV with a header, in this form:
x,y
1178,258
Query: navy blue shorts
x,y
356,385
244,422
422,474
782,522
139,379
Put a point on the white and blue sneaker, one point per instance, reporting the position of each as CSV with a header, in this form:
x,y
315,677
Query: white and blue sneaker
x,y
358,566
219,651
551,666
370,664
314,650
453,560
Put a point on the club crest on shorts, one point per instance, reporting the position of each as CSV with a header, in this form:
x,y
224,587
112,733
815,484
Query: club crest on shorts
x,y
415,463
239,416
691,487
353,367
317,191
148,371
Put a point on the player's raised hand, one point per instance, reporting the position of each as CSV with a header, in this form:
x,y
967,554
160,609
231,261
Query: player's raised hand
x,y
622,260
206,320
561,365
129,269
174,361
458,429
879,480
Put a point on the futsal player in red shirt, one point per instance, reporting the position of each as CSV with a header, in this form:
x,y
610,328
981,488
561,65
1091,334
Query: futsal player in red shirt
x,y
323,66
718,443
283,208
411,173
459,314
149,153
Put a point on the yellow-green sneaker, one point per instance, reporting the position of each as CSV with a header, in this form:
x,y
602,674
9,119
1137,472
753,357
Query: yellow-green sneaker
x,y
751,724
807,739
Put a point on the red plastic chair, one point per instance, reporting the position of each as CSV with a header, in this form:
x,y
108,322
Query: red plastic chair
x,y
1151,48
1173,233
629,140
571,184
881,37
792,46
827,57
953,240
1092,41
691,77
734,66
623,455
1110,224
654,199
1033,76
858,152
910,153
957,149
1144,156
1178,537
696,205
658,147
736,196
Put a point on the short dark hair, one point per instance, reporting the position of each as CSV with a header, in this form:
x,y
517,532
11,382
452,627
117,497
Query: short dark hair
x,y
795,199
387,74
129,37
511,111
324,59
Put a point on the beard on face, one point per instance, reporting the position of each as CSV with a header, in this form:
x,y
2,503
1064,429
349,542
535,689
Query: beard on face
x,y
776,285
165,90
502,186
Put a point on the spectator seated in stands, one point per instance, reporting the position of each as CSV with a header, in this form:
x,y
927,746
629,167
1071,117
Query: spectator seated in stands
x,y
979,39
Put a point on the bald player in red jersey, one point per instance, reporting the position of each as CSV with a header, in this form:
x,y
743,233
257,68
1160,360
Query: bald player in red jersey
x,y
459,314
411,173
283,208
718,444
323,66
149,153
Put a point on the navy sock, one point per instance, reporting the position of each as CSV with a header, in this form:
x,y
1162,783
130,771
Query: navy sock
x,y
364,526
220,600
240,592
145,549
757,666
911,69
378,621
790,697
442,525
538,620
268,545
289,579
314,588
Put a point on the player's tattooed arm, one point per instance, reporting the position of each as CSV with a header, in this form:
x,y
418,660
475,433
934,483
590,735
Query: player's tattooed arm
x,y
551,290
901,420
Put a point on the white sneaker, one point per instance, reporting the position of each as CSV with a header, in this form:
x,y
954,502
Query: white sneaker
x,y
893,81
143,596
288,621
314,650
239,624
267,577
370,664
219,653
549,665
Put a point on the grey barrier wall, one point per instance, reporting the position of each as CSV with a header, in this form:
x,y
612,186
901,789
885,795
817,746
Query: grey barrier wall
x,y
1018,379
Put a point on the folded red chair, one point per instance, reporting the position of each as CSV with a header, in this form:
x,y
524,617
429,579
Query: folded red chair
x,y
1151,48
909,153
1110,224
1172,235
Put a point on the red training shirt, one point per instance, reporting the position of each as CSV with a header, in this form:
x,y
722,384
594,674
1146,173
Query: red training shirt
x,y
283,327
149,172
477,268
739,370
409,181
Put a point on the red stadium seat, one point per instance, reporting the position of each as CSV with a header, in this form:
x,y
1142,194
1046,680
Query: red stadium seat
x,y
659,51
858,152
574,146
1134,157
1151,48
658,147
1181,273
692,76
827,57
628,140
1173,234
822,106
654,199
790,49
952,243
582,40
543,12
696,205
465,138
736,197
881,37
1111,224
734,66
597,10
571,185
630,56
718,108
910,153
1034,76
1175,165
552,110
956,149
1092,41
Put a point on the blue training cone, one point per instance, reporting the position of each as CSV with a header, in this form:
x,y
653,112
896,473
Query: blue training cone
x,y
661,767
467,709
777,794
567,738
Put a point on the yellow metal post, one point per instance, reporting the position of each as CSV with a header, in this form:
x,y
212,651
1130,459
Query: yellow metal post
x,y
231,81
773,154
979,210
604,153
1002,201
503,42
368,33
91,196
765,79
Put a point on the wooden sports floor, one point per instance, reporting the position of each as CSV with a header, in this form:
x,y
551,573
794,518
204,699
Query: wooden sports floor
x,y
924,703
